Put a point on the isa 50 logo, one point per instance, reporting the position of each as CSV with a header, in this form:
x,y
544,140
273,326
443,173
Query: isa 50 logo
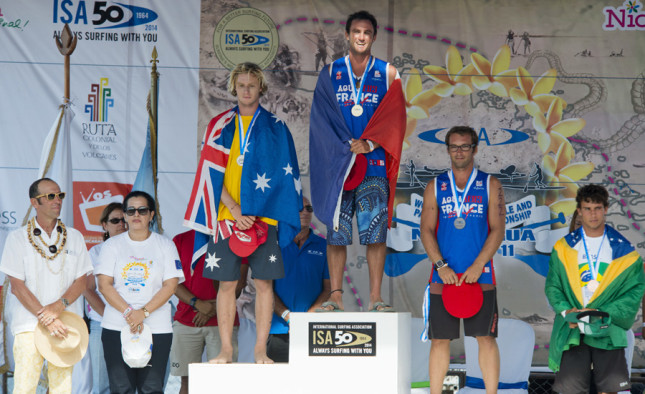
x,y
245,35
101,14
629,16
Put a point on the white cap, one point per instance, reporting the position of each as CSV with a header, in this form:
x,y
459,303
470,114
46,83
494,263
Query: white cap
x,y
136,348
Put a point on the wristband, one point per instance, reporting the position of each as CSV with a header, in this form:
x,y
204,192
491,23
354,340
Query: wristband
x,y
193,301
371,144
284,315
126,311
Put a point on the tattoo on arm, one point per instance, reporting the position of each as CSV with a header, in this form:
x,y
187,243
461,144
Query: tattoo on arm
x,y
500,202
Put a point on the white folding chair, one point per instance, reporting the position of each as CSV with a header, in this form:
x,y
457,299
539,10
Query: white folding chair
x,y
516,341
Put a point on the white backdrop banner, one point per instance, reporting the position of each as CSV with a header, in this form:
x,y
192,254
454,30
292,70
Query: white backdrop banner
x,y
110,80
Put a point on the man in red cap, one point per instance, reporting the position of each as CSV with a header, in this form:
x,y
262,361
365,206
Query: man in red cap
x,y
462,226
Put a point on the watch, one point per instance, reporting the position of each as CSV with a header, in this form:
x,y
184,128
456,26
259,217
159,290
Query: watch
x,y
440,264
145,312
65,302
193,301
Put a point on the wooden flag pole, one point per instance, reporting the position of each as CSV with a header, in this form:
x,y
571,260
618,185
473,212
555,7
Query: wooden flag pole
x,y
66,44
154,78
153,111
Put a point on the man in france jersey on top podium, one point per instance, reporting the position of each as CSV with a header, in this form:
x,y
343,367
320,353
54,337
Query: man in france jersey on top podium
x,y
357,116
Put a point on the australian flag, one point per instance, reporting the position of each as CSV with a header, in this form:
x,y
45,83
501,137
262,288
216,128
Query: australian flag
x,y
329,154
270,185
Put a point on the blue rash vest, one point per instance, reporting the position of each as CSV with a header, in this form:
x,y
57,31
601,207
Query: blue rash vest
x,y
374,88
460,248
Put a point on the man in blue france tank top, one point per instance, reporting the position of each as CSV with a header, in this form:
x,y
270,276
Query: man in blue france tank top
x,y
358,109
462,226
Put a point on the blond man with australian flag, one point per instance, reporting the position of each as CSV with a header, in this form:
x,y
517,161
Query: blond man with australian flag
x,y
247,196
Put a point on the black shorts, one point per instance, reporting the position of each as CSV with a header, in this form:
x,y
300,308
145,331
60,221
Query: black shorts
x,y
443,325
224,265
609,370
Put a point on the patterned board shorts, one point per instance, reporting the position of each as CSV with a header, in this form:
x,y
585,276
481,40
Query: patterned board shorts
x,y
369,201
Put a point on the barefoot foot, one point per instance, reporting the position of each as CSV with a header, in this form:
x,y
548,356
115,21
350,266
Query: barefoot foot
x,y
262,358
224,357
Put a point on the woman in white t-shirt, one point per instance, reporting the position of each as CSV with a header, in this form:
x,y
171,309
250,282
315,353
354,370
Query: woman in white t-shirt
x,y
113,223
138,272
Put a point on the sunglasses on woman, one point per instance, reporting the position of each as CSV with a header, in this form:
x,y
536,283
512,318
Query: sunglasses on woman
x,y
117,220
143,211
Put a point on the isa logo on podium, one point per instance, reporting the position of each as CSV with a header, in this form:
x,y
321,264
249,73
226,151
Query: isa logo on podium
x,y
342,339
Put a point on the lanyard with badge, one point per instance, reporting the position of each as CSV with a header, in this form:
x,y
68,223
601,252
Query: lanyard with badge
x,y
244,139
357,109
594,266
460,222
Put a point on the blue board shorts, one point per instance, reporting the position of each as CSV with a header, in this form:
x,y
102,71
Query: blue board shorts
x,y
369,201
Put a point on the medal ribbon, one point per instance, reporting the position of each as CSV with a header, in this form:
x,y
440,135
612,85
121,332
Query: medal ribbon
x,y
357,94
244,140
456,193
593,267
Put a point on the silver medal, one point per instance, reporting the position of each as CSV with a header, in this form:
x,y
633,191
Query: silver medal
x,y
240,160
460,223
592,285
357,110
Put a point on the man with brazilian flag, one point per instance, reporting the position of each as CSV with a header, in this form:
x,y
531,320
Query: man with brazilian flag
x,y
595,284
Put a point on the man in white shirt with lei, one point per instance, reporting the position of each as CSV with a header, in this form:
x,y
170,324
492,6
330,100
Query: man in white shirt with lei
x,y
47,264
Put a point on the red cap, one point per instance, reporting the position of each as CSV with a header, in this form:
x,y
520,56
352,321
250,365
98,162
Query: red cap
x,y
244,242
357,173
462,301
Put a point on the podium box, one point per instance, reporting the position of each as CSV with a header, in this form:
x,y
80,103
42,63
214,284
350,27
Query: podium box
x,y
341,352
